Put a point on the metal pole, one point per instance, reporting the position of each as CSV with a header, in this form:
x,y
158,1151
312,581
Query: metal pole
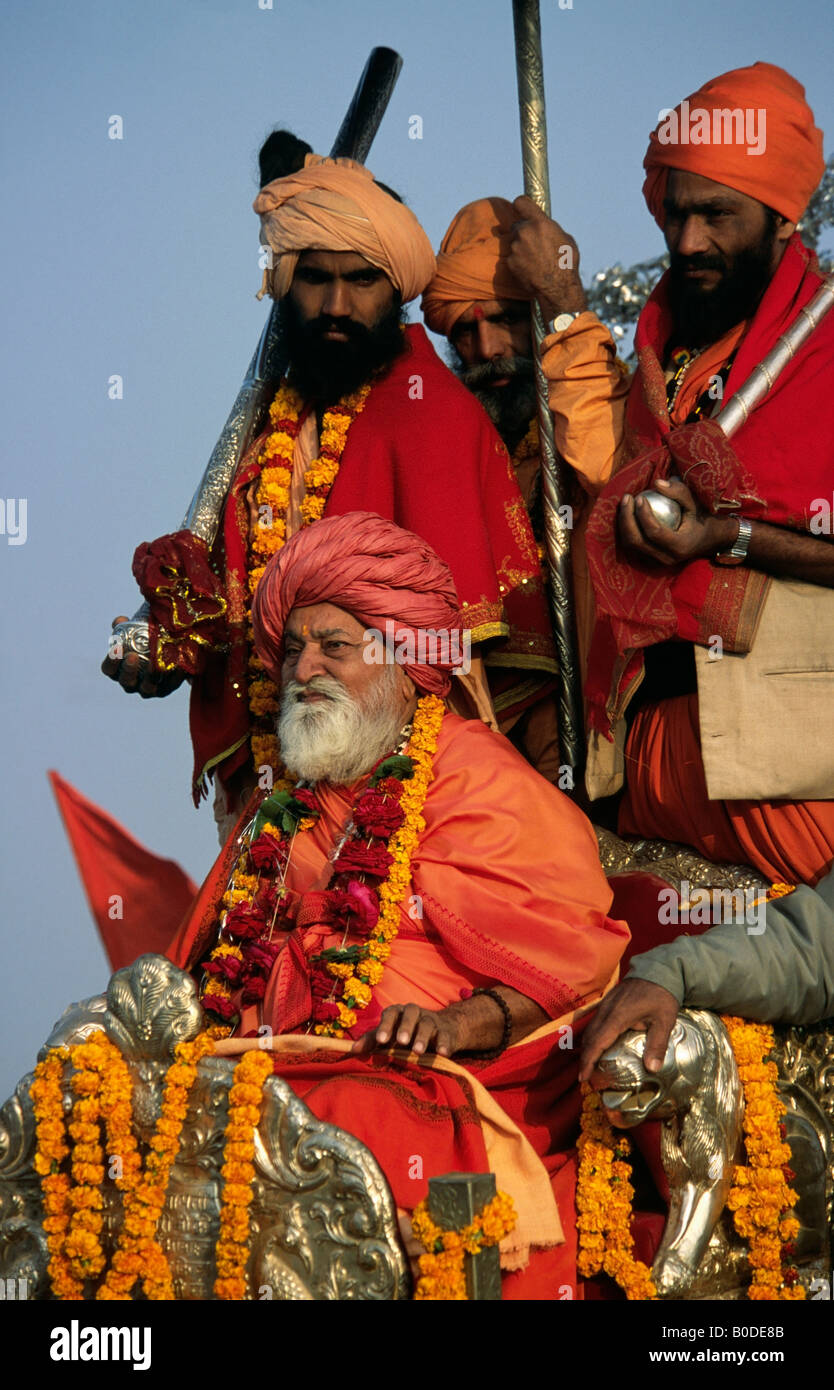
x,y
528,57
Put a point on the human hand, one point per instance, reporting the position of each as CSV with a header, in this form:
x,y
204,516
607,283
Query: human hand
x,y
544,258
634,1003
407,1025
699,533
128,665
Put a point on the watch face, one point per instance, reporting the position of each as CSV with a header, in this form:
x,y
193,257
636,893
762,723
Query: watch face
x,y
563,321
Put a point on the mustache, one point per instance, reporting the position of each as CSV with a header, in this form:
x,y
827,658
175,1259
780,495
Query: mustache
x,y
315,330
332,689
678,264
484,373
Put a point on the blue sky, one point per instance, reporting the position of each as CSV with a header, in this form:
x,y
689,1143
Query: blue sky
x,y
138,257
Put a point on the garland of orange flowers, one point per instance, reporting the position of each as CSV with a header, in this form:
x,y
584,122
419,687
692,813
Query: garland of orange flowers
x,y
238,1171
73,1218
529,446
50,1151
603,1201
442,1274
366,972
272,498
761,1197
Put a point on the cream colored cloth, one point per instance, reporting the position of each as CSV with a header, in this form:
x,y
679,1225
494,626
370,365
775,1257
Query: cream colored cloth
x,y
767,717
335,205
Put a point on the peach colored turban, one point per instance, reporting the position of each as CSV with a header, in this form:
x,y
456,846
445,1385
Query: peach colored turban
x,y
334,205
374,570
471,264
778,120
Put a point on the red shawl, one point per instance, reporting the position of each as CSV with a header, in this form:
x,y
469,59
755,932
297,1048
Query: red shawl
x,y
780,461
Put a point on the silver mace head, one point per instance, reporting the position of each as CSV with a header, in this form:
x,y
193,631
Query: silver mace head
x,y
664,509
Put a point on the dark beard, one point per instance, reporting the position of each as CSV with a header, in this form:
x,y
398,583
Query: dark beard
x,y
510,407
324,371
703,316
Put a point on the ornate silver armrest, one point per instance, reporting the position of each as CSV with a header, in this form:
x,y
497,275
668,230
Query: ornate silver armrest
x,y
697,1095
323,1222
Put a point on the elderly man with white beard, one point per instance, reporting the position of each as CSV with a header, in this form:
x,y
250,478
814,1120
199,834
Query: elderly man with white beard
x,y
394,919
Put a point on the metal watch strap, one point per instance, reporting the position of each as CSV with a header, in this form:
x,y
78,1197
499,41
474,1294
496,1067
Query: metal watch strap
x,y
737,553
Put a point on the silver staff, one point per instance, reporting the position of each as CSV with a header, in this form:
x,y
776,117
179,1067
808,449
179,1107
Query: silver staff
x,y
528,58
130,637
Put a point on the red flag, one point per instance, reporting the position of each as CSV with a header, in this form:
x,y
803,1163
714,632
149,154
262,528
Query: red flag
x,y
136,898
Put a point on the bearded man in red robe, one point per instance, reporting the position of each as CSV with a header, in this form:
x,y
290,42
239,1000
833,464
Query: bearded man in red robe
x,y
418,921
736,759
368,417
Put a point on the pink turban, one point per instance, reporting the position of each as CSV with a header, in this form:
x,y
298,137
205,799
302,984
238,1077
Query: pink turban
x,y
471,263
377,572
785,172
334,205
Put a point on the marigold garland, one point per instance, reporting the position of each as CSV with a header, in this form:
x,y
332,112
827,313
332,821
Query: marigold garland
x,y
760,1198
272,498
529,446
603,1202
50,1151
73,1209
238,1171
442,1275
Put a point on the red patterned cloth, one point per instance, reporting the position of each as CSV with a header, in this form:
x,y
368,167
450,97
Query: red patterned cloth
x,y
779,462
187,618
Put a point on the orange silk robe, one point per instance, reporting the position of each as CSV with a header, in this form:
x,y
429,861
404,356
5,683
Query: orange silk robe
x,y
506,887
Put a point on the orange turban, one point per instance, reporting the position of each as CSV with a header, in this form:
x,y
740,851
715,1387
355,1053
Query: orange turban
x,y
379,573
471,264
335,205
751,130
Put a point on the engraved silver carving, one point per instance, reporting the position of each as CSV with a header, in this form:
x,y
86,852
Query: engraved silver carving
x,y
697,1093
132,637
673,863
531,106
323,1220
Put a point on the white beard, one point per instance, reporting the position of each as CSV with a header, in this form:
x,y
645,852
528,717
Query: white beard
x,y
338,739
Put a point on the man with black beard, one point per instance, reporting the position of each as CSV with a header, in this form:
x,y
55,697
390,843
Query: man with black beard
x,y
367,418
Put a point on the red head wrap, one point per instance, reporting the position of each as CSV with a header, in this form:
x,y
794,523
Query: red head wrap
x,y
377,572
778,161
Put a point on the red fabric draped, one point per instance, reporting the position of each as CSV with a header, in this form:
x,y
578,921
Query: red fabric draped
x,y
423,454
785,460
152,893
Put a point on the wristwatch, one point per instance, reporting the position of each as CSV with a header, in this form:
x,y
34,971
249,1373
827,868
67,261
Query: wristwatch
x,y
563,321
737,553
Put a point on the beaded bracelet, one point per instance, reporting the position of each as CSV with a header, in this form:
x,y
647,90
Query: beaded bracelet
x,y
508,1024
